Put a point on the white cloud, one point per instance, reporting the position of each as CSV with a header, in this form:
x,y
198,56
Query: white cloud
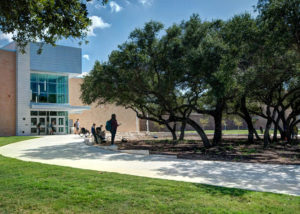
x,y
98,6
6,36
83,74
127,2
146,2
115,7
97,22
91,2
85,56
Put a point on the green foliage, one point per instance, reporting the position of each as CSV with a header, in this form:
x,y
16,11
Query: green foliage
x,y
237,121
281,20
45,21
241,65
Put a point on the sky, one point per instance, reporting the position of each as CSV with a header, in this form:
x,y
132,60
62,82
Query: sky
x,y
112,23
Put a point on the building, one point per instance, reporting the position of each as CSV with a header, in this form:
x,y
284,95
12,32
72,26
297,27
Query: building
x,y
37,89
100,114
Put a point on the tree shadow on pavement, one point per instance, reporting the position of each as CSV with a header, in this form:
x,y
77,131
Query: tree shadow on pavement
x,y
259,177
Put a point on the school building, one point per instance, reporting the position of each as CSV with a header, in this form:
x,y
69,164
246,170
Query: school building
x,y
43,89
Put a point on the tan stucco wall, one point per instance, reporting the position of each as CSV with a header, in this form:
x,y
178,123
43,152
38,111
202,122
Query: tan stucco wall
x,y
7,93
100,114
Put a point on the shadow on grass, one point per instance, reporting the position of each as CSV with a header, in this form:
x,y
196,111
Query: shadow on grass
x,y
221,191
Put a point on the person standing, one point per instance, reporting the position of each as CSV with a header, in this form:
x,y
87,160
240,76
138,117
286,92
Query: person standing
x,y
93,130
113,128
38,128
53,124
77,126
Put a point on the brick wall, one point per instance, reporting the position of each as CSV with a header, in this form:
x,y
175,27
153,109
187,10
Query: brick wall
x,y
230,125
100,114
8,93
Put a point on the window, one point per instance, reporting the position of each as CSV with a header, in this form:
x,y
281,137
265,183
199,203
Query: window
x,y
49,88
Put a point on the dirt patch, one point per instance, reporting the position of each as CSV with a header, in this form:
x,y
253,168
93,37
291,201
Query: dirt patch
x,y
236,150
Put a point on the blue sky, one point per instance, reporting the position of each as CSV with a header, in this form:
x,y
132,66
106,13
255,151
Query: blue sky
x,y
113,23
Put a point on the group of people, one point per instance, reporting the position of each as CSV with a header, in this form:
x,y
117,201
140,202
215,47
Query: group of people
x,y
98,132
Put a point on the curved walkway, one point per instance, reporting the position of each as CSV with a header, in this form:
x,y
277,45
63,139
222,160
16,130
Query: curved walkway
x,y
69,150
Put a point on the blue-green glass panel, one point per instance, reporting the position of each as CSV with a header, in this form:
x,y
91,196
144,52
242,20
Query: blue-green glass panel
x,y
52,98
52,88
34,87
62,79
34,97
42,78
42,98
52,78
49,88
60,98
59,88
42,87
33,78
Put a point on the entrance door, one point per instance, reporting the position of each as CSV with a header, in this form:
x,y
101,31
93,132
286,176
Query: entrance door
x,y
42,121
58,124
61,125
33,125
38,120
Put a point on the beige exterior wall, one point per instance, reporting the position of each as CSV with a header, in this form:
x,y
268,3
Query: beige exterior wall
x,y
100,114
7,93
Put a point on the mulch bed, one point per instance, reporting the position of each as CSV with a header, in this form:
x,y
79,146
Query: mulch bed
x,y
235,150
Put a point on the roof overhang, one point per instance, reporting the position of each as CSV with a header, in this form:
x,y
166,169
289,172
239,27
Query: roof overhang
x,y
59,107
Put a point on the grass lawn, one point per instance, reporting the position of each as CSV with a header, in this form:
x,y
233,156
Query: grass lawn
x,y
27,187
7,140
225,131
229,131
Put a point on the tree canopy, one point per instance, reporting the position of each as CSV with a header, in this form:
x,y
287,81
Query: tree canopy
x,y
45,21
241,66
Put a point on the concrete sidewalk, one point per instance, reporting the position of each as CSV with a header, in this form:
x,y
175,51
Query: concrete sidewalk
x,y
69,150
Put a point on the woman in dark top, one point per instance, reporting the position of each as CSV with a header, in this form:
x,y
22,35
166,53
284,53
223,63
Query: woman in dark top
x,y
114,127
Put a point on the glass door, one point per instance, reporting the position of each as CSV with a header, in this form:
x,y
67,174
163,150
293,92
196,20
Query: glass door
x,y
42,124
33,125
61,125
52,125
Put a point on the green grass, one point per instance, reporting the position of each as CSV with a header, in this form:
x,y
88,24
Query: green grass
x,y
27,187
7,140
225,131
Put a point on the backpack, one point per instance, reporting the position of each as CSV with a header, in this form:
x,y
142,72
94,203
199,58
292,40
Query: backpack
x,y
108,125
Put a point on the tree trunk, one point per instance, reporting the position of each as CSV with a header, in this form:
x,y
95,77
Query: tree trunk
x,y
172,130
248,120
218,127
182,130
200,131
250,135
275,133
289,134
251,129
256,135
267,134
281,132
268,126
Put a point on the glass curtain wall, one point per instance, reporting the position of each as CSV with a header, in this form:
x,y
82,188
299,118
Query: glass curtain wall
x,y
49,88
